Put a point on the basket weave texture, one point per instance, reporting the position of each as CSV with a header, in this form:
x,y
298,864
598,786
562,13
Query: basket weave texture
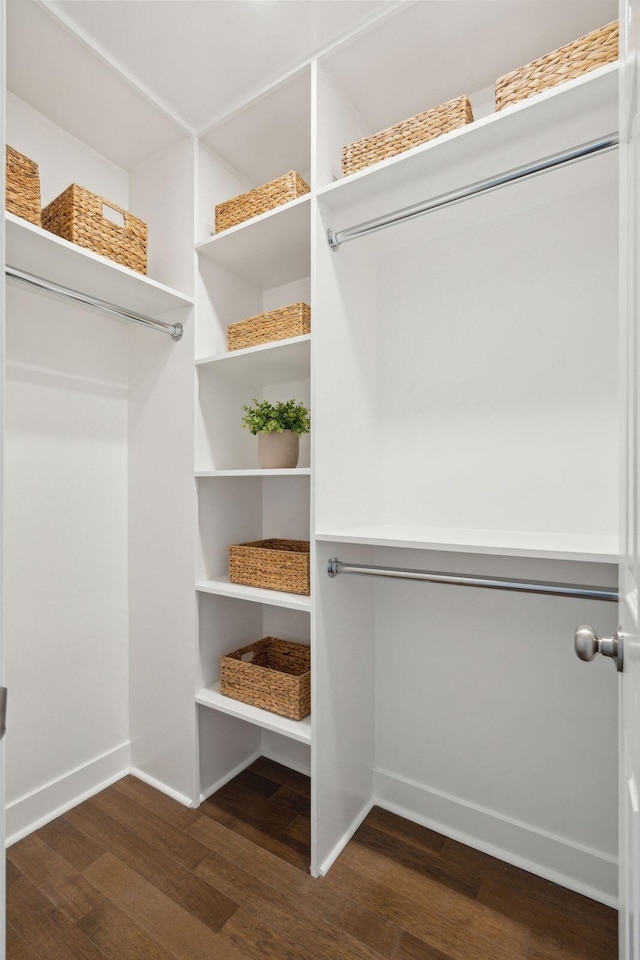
x,y
291,321
23,187
593,50
272,564
276,678
403,136
260,200
78,215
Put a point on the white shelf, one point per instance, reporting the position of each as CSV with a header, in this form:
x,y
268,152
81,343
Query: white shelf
x,y
36,251
256,472
294,729
551,546
284,361
272,249
555,120
222,587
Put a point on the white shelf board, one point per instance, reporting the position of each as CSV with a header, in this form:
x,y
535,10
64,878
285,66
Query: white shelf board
x,y
294,729
284,361
577,111
272,249
34,250
221,586
256,472
551,546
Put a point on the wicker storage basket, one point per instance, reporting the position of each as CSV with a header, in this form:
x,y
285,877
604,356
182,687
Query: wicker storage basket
x,y
591,51
260,200
272,674
402,136
291,321
272,564
23,187
79,216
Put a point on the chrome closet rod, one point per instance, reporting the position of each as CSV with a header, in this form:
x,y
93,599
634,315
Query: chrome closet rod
x,y
336,238
174,330
580,590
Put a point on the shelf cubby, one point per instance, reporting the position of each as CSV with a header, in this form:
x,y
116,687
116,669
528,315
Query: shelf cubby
x,y
270,250
293,729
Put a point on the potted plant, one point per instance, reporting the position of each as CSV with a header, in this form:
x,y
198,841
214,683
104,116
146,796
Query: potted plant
x,y
278,427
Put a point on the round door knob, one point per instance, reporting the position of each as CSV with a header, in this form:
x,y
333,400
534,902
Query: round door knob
x,y
587,642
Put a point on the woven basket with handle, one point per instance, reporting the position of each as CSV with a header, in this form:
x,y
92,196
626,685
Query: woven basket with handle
x,y
291,321
261,200
271,564
593,50
403,136
99,225
271,674
23,187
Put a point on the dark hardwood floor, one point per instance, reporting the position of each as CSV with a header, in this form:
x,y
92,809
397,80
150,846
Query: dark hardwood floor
x,y
133,875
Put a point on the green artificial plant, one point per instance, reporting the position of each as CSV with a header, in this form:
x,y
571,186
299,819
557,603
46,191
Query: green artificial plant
x,y
265,417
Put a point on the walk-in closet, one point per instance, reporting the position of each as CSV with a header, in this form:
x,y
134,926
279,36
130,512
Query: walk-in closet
x,y
461,500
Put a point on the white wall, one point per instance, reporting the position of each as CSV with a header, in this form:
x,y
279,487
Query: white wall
x,y
66,557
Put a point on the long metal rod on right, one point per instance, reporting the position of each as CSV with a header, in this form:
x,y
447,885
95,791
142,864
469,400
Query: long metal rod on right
x,y
174,330
582,591
336,238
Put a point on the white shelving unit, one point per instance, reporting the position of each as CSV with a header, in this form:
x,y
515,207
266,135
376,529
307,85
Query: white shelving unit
x,y
250,268
36,251
284,361
258,472
294,729
272,249
500,543
221,586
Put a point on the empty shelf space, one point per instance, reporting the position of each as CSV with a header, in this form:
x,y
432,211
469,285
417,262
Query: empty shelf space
x,y
36,251
551,546
256,472
294,729
283,361
272,249
224,588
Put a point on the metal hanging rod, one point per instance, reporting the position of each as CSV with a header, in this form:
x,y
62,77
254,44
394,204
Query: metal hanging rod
x,y
336,238
175,330
582,591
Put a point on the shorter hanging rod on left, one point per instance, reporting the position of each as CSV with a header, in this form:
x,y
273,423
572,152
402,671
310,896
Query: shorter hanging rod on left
x,y
174,330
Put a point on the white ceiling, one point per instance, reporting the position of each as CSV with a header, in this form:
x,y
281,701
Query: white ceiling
x,y
166,66
201,58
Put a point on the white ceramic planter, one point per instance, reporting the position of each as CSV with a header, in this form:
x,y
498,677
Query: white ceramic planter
x,y
278,450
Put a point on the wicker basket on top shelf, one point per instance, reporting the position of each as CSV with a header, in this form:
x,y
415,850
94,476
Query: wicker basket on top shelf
x,y
271,564
405,135
291,321
86,219
593,50
271,674
23,187
261,200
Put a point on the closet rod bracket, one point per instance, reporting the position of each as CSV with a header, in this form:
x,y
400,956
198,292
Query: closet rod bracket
x,y
332,240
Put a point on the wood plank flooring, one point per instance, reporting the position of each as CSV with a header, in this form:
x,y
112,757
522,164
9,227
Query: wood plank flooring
x,y
132,875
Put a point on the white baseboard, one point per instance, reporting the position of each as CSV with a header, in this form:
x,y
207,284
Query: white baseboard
x,y
228,776
41,806
580,868
326,864
293,763
162,787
